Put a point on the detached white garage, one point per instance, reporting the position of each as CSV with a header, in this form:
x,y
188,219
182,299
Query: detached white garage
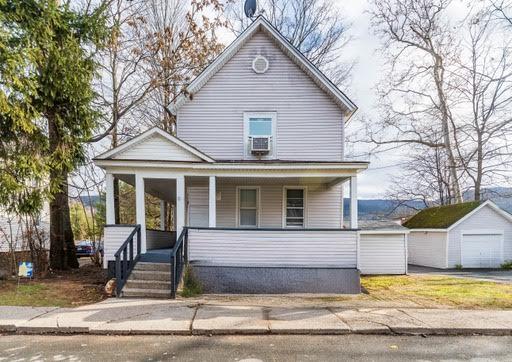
x,y
383,251
470,234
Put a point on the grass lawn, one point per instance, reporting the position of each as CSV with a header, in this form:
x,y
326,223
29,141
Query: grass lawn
x,y
431,291
66,289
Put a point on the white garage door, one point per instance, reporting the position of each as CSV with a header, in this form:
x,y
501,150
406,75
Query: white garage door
x,y
481,250
382,253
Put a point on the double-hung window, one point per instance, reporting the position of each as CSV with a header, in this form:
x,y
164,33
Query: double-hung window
x,y
260,125
248,205
294,207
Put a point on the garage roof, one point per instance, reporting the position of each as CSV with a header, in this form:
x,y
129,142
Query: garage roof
x,y
441,217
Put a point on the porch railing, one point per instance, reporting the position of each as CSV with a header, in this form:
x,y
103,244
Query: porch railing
x,y
274,247
125,260
179,258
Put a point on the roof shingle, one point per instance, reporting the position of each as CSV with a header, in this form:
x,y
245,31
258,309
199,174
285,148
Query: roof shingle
x,y
441,217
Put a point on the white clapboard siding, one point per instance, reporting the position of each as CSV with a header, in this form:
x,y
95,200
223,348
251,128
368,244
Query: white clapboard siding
x,y
10,233
157,148
274,248
310,125
114,237
486,220
323,205
427,248
12,229
383,253
159,239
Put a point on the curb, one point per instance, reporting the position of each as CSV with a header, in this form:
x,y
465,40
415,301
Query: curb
x,y
240,332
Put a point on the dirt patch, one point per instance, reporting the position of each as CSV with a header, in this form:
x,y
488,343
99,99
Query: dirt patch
x,y
62,289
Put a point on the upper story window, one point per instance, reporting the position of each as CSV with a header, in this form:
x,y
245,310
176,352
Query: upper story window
x,y
260,135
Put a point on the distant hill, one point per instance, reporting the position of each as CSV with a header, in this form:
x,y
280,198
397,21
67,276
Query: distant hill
x,y
88,201
373,209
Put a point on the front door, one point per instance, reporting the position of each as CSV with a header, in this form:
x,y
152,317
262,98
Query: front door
x,y
197,206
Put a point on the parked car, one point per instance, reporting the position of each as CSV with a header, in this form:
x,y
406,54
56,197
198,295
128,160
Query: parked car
x,y
88,248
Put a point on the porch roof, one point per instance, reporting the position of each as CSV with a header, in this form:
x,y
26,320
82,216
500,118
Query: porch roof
x,y
267,168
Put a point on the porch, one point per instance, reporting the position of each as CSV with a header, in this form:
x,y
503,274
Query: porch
x,y
283,205
281,224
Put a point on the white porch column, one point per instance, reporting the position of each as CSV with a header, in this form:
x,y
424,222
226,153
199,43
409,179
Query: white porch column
x,y
353,202
162,215
140,210
212,203
110,203
180,204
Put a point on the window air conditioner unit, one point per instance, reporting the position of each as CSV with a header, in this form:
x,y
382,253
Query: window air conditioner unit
x,y
260,145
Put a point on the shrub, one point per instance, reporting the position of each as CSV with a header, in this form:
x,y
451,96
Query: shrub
x,y
458,266
507,265
191,285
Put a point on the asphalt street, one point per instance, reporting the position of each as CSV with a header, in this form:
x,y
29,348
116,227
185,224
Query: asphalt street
x,y
253,348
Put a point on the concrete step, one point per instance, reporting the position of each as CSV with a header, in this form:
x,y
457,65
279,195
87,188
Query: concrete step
x,y
150,275
145,293
147,284
163,267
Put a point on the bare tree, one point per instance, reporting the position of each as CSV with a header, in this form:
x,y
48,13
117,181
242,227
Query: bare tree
x,y
483,85
503,10
425,180
415,100
182,39
315,27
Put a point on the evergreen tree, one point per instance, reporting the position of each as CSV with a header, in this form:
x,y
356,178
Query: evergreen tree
x,y
46,72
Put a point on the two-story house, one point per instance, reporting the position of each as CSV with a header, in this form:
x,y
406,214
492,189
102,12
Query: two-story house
x,y
256,173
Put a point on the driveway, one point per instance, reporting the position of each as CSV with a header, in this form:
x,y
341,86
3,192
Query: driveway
x,y
498,276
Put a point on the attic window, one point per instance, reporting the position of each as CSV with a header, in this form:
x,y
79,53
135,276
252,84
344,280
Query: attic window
x,y
260,64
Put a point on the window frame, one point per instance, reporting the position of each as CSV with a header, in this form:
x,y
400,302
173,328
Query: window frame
x,y
258,206
247,116
285,207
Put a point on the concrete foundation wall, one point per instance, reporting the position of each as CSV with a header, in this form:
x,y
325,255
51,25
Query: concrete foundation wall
x,y
277,280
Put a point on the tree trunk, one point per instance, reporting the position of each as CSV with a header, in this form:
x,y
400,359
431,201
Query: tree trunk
x,y
445,119
479,172
62,243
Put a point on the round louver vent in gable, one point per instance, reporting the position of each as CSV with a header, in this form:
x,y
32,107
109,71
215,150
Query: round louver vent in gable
x,y
260,64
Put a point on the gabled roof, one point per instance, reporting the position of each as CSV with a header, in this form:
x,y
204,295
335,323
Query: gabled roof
x,y
448,216
295,55
183,147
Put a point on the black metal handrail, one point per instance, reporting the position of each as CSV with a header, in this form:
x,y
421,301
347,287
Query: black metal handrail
x,y
179,258
125,261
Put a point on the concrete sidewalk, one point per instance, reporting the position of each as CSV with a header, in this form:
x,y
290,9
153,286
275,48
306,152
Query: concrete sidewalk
x,y
148,316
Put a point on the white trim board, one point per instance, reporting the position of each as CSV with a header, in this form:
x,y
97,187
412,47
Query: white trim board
x,y
489,203
219,165
295,55
149,133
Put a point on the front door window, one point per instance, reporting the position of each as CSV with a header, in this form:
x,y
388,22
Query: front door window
x,y
295,208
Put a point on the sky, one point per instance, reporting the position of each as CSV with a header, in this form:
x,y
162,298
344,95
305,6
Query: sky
x,y
374,182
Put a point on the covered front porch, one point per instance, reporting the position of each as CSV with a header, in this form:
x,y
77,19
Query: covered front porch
x,y
249,204
244,220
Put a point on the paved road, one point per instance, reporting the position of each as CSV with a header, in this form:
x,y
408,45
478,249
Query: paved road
x,y
253,348
499,276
